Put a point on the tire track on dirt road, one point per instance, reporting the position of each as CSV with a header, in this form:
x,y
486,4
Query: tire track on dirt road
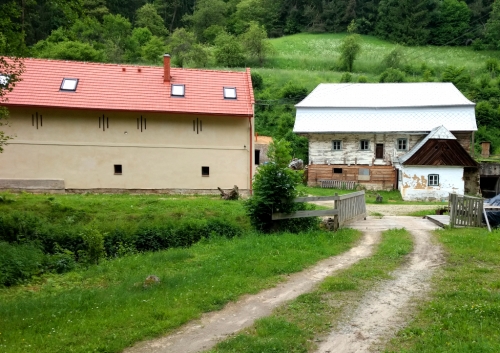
x,y
213,327
384,310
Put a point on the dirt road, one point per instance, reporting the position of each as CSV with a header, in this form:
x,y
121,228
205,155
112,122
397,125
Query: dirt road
x,y
384,310
380,313
203,334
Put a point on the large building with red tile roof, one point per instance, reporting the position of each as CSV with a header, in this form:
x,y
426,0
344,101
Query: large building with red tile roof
x,y
108,127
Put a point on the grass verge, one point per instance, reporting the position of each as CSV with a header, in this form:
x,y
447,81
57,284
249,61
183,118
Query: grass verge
x,y
106,308
464,312
293,327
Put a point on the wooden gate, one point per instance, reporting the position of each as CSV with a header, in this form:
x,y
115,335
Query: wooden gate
x,y
347,208
465,211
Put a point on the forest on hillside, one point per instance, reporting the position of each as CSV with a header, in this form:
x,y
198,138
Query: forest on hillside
x,y
238,33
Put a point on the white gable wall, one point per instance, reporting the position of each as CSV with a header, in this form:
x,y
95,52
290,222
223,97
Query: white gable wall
x,y
413,182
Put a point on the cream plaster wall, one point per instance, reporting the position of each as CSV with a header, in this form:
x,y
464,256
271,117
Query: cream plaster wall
x,y
321,149
167,154
414,180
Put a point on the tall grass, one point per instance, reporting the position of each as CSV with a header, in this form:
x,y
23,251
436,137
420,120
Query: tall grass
x,y
463,314
106,308
319,52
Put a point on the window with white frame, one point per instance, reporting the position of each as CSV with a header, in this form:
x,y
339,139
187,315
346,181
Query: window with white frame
x,y
364,145
433,180
336,145
402,144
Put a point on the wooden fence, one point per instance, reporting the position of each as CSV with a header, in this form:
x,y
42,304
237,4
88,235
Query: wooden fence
x,y
465,211
347,208
338,184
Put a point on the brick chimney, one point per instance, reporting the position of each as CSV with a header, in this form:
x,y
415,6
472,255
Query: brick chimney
x,y
166,68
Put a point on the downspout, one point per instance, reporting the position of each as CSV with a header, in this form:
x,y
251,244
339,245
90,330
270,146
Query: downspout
x,y
251,149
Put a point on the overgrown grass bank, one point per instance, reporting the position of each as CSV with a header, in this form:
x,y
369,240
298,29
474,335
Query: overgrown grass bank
x,y
320,52
106,308
293,327
464,312
40,233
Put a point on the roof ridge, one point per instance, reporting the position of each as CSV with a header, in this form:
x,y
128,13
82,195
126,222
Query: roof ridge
x,y
131,65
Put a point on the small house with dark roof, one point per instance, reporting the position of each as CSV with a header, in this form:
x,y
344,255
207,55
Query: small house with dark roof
x,y
357,132
107,127
434,167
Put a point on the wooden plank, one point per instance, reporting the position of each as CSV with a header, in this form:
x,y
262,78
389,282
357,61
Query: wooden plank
x,y
316,198
302,214
353,194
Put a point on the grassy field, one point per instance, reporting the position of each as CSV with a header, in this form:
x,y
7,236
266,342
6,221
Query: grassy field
x,y
463,314
319,52
106,307
388,197
293,327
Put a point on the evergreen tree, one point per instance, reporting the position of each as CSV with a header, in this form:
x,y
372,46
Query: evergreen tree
x,y
492,32
452,22
405,21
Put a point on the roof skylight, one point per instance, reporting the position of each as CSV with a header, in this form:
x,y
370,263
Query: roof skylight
x,y
178,90
4,80
69,84
229,92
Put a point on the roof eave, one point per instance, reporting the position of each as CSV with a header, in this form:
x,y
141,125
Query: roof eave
x,y
243,115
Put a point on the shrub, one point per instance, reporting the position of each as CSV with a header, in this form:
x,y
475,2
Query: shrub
x,y
62,261
492,66
257,81
392,75
93,240
274,191
395,59
346,77
18,262
362,79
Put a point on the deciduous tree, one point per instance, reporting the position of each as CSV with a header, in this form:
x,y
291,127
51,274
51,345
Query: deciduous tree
x,y
255,42
11,70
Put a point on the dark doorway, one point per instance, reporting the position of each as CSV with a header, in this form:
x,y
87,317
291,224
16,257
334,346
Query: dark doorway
x,y
257,157
379,151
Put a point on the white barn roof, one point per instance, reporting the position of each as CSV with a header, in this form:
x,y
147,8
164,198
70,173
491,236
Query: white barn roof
x,y
384,107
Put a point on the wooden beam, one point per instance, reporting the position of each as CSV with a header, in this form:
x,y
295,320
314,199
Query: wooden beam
x,y
302,214
317,198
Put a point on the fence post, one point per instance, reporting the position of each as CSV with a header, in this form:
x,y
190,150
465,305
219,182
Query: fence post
x,y
453,209
336,217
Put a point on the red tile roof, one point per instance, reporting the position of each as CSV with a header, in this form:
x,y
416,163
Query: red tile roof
x,y
131,88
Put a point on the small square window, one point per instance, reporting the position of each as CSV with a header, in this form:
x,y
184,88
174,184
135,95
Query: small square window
x,y
433,180
118,169
69,84
337,145
337,170
178,90
364,145
402,144
205,171
229,92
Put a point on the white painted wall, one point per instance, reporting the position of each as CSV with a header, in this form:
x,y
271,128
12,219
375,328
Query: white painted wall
x,y
414,182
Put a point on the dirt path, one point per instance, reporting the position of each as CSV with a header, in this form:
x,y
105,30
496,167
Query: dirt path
x,y
386,309
381,313
203,334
